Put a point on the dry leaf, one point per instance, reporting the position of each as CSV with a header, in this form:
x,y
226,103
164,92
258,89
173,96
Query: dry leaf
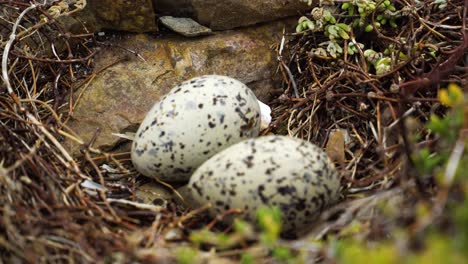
x,y
335,146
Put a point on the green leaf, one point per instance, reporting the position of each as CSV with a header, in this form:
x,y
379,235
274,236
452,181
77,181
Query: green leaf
x,y
299,28
282,254
247,258
186,255
310,25
361,11
332,30
435,124
343,26
343,34
269,219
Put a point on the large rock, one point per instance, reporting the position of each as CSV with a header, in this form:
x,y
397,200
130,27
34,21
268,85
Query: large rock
x,y
121,15
119,97
227,14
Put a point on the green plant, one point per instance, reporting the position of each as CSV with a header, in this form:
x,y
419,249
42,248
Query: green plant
x,y
445,128
353,48
382,64
320,17
269,223
434,245
269,220
339,30
339,27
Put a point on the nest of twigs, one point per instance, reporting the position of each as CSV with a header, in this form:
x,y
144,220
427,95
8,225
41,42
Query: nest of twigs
x,y
376,113
49,213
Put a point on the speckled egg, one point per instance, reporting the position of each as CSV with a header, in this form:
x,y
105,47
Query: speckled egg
x,y
291,174
194,121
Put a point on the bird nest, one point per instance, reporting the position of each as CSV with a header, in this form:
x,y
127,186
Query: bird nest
x,y
59,208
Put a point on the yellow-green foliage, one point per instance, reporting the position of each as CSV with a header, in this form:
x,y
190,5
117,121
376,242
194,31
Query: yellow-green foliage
x,y
438,246
437,249
186,255
353,252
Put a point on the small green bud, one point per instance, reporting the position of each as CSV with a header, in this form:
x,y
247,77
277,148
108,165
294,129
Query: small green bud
x,y
368,28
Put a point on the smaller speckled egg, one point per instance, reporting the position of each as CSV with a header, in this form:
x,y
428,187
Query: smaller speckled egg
x,y
194,121
291,174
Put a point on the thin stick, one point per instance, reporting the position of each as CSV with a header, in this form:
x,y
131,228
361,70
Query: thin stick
x,y
8,47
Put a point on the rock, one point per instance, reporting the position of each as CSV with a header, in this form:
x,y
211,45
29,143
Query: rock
x,y
121,15
185,26
224,14
120,96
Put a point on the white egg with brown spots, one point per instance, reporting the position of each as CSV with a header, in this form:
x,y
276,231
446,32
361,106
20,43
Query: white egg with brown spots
x,y
291,174
194,121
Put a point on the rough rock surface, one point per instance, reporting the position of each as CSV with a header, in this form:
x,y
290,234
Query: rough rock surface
x,y
225,14
121,15
120,96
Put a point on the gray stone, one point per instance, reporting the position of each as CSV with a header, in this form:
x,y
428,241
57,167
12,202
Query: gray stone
x,y
185,26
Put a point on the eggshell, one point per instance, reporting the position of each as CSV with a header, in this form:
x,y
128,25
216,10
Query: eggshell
x,y
291,174
194,121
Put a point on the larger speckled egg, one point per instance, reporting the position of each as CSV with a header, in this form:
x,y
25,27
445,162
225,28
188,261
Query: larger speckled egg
x,y
194,121
291,174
